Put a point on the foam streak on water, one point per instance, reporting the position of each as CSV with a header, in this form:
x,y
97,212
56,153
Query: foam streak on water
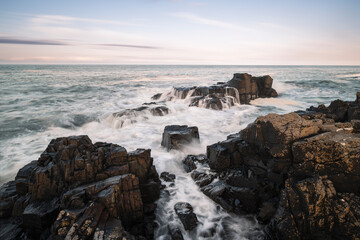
x,y
39,103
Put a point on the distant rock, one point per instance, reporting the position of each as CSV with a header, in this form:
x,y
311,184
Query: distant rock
x,y
175,136
241,89
186,215
130,116
250,87
81,190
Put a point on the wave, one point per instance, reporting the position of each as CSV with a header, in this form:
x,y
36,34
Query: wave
x,y
352,75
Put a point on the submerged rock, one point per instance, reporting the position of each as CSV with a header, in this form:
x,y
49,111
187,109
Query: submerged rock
x,y
186,215
175,136
80,190
129,116
167,177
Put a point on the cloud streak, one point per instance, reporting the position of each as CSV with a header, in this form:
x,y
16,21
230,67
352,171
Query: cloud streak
x,y
61,20
8,40
210,22
128,46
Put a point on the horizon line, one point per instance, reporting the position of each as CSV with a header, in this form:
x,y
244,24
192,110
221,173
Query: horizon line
x,y
144,64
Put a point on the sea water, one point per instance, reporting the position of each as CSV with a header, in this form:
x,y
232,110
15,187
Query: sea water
x,y
42,102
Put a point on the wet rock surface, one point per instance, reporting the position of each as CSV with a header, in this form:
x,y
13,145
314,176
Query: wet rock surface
x,y
130,116
176,136
241,89
298,172
81,190
186,215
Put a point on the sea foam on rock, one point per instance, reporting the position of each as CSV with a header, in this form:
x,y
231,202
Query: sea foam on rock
x,y
300,174
81,190
175,136
241,89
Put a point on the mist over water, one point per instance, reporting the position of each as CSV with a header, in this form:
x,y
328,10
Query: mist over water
x,y
39,103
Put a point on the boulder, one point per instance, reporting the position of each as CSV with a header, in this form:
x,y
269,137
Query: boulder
x,y
226,154
186,215
275,133
175,136
250,87
191,160
39,215
167,177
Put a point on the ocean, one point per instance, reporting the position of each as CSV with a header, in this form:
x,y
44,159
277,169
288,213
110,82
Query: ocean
x,y
42,102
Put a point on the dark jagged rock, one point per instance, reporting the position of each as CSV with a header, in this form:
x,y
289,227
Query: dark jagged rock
x,y
132,115
185,213
175,233
298,172
338,110
175,136
275,133
80,190
239,90
22,178
312,209
190,160
250,87
334,154
356,126
156,96
167,177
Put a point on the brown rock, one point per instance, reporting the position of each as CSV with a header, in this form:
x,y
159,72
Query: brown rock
x,y
334,154
311,209
275,133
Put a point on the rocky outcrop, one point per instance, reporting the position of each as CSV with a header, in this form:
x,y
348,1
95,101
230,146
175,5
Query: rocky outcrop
x,y
298,172
81,190
130,116
338,111
250,87
175,136
240,90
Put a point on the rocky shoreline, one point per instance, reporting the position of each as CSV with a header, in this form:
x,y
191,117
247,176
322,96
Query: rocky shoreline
x,y
299,173
81,190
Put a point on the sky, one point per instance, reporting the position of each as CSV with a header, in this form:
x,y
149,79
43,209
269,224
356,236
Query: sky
x,y
251,32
